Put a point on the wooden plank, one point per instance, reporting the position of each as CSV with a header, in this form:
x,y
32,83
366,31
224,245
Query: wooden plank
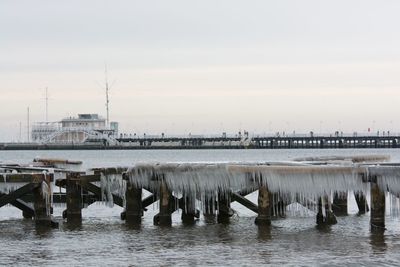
x,y
147,201
116,170
57,161
24,177
97,191
244,201
22,205
31,169
8,198
89,178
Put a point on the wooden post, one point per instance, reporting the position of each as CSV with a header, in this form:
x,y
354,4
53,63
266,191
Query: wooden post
x,y
26,215
188,209
224,207
339,206
164,217
74,198
133,209
377,206
361,202
328,218
264,206
41,206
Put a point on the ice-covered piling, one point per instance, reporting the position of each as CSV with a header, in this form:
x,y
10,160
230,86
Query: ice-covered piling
x,y
73,198
264,206
224,207
163,218
189,210
325,215
42,200
339,205
377,219
133,207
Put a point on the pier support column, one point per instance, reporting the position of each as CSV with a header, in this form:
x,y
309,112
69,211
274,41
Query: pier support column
x,y
224,207
188,209
41,207
74,198
166,200
264,206
327,218
133,209
377,207
339,206
361,202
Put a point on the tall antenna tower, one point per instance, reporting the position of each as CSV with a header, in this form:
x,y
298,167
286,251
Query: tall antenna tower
x,y
107,96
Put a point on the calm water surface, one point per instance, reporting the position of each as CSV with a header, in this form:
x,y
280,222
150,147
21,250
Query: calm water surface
x,y
103,239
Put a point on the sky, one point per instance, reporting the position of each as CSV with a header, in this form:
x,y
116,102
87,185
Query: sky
x,y
203,67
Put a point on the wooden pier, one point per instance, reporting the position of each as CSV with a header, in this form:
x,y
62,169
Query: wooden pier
x,y
209,189
257,142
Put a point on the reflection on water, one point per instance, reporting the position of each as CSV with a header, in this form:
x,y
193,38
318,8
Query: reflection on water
x,y
43,231
108,241
377,241
264,233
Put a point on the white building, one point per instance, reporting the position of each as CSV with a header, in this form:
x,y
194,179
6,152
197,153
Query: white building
x,y
85,127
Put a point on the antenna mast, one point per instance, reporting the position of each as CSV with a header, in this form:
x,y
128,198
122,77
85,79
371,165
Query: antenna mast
x,y
107,97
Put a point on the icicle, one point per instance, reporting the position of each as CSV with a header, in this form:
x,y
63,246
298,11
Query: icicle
x,y
388,177
112,184
206,180
47,195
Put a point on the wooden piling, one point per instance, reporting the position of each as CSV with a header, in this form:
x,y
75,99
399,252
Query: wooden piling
x,y
329,217
134,209
163,218
339,206
41,207
264,206
188,209
377,220
74,198
224,207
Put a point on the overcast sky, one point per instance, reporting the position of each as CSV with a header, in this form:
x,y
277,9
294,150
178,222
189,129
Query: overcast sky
x,y
203,66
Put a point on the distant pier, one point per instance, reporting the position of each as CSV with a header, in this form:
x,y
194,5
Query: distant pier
x,y
257,142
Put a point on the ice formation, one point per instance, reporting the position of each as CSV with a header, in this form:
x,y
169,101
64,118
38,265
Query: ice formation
x,y
387,177
301,182
206,181
112,184
6,186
